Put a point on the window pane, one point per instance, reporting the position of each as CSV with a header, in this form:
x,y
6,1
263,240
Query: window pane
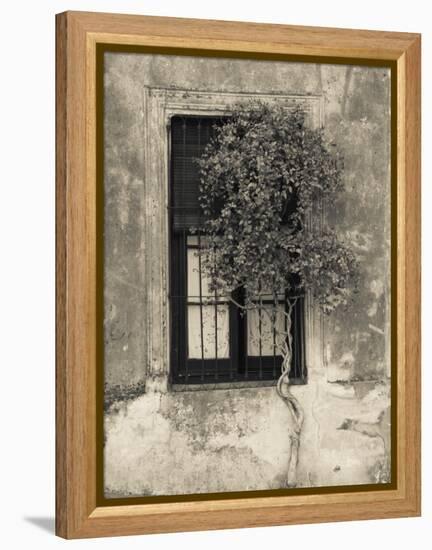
x,y
193,278
268,336
208,334
194,240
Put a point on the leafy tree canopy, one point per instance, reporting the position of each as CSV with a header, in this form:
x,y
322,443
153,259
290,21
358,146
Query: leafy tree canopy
x,y
263,175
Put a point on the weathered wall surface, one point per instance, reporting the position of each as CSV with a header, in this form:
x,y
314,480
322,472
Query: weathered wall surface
x,y
162,442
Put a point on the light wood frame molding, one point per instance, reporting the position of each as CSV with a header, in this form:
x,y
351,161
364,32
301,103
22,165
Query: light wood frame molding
x,y
78,34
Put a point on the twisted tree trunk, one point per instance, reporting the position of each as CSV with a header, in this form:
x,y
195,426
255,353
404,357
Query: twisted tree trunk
x,y
283,383
297,414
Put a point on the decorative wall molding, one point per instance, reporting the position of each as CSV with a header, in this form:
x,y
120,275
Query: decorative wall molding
x,y
159,105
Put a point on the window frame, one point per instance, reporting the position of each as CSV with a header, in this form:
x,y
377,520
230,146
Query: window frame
x,y
183,369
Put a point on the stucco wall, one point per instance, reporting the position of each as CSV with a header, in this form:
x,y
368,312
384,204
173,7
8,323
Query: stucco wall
x,y
162,442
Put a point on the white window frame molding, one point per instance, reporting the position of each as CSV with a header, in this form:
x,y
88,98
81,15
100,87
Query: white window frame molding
x,y
159,106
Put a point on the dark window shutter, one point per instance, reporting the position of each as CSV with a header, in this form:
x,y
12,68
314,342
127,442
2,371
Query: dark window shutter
x,y
189,137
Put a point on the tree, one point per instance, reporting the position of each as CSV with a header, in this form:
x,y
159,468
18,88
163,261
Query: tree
x,y
263,178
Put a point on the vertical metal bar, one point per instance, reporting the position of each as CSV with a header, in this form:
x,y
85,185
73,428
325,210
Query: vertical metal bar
x,y
294,329
260,336
184,305
201,306
302,338
230,353
184,257
231,334
275,319
200,273
285,305
216,338
246,339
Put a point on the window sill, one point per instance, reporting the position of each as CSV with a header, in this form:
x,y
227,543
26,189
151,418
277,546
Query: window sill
x,y
175,387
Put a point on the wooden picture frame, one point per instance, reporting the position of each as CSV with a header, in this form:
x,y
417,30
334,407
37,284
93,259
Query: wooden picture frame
x,y
78,384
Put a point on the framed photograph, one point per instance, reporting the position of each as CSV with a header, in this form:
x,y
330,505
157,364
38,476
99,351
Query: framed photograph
x,y
238,274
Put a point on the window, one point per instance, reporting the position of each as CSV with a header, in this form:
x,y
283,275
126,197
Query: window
x,y
211,339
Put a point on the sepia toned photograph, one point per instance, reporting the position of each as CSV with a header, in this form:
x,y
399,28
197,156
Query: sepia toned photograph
x,y
247,275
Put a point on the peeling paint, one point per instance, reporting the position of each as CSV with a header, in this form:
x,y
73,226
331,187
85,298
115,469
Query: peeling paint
x,y
115,396
380,472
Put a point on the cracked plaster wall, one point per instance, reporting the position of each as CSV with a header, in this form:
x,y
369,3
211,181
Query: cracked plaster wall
x,y
235,439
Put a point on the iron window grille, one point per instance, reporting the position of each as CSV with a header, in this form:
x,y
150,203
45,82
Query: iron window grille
x,y
212,340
